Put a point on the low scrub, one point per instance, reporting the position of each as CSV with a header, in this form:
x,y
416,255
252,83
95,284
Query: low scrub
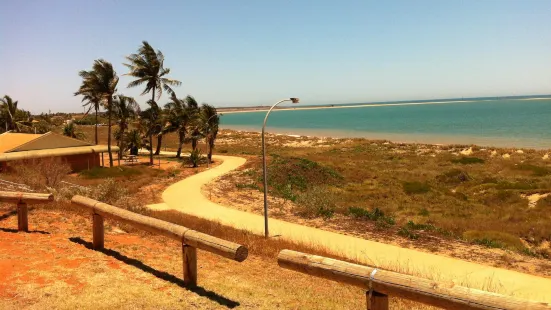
x,y
412,188
40,174
376,215
537,171
494,239
454,176
113,172
316,202
468,160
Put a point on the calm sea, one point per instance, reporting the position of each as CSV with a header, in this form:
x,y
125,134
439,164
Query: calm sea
x,y
504,123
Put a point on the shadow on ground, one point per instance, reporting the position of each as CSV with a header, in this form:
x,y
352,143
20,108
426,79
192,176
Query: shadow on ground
x,y
12,230
160,274
9,214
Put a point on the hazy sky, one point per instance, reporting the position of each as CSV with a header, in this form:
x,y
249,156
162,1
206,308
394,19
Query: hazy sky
x,y
231,53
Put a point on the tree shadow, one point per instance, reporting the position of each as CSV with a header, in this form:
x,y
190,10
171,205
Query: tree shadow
x,y
160,274
12,230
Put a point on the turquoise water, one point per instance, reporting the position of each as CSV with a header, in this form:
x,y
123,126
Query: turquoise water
x,y
508,122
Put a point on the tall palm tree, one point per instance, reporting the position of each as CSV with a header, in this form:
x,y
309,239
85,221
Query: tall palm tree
x,y
101,80
147,66
195,123
211,120
178,119
8,109
93,101
124,109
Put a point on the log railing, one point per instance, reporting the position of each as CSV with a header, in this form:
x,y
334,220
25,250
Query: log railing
x,y
382,283
190,239
22,200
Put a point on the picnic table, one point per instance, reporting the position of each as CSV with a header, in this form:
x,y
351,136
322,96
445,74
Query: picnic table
x,y
129,159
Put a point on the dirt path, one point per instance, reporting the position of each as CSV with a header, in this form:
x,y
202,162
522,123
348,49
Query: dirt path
x,y
185,196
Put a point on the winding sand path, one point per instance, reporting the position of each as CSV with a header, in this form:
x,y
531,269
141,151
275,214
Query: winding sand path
x,y
185,196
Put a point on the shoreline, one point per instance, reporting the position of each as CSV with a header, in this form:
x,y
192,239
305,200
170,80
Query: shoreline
x,y
401,138
367,105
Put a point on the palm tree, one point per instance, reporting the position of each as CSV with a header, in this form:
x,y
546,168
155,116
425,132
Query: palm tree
x,y
8,110
195,123
93,101
211,120
101,80
147,66
134,141
178,118
124,109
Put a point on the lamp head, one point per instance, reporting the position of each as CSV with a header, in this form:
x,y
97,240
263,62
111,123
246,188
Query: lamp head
x,y
294,100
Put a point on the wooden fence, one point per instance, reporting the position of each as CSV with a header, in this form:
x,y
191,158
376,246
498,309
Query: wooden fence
x,y
190,239
22,200
382,283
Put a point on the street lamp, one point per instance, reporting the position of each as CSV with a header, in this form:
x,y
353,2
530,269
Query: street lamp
x,y
293,100
207,137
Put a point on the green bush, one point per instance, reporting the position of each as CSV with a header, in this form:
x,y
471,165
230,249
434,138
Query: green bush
x,y
405,232
195,157
537,171
468,160
494,239
376,215
316,202
415,187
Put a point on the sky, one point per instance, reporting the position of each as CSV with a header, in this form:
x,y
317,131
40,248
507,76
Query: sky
x,y
242,53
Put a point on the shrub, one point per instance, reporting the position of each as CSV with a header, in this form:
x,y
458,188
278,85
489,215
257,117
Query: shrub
x,y
316,202
405,232
454,176
108,191
468,160
195,157
415,187
41,173
113,172
424,212
494,239
537,171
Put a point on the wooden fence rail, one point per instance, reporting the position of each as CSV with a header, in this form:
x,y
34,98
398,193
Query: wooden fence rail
x,y
382,283
22,200
190,239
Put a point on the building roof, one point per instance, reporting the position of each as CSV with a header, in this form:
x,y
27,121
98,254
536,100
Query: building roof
x,y
19,146
19,142
10,140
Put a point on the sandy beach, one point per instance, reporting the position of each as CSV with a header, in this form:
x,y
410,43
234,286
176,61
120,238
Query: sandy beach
x,y
369,105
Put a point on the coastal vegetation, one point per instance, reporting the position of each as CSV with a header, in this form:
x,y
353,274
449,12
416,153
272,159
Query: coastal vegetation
x,y
430,195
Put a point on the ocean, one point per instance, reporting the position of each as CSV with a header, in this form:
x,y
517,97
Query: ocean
x,y
522,123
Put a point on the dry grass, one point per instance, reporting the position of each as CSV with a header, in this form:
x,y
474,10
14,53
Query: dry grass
x,y
53,267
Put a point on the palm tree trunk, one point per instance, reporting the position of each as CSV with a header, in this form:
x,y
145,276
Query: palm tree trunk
x,y
150,134
109,108
159,142
194,144
180,143
211,146
96,126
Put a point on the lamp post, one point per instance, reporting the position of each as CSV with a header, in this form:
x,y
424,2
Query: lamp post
x,y
207,137
293,100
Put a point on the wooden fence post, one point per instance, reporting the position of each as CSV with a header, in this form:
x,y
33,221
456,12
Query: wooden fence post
x,y
378,301
22,217
98,231
189,256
